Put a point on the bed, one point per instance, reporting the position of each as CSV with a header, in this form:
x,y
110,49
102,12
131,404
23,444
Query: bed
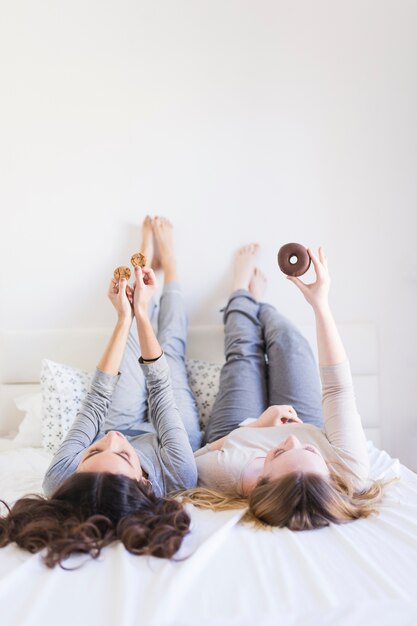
x,y
226,572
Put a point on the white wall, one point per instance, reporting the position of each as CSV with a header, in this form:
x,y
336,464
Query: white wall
x,y
258,120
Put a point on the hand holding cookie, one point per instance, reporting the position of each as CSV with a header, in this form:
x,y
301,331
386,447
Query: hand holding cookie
x,y
120,282
144,288
120,295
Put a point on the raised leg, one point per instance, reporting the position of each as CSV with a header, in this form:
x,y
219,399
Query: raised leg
x,y
293,376
242,389
172,330
172,336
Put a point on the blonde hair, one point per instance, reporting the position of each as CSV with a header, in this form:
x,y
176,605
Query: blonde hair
x,y
298,501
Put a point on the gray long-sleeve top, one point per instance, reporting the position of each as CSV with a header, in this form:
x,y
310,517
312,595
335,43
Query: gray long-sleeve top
x,y
165,456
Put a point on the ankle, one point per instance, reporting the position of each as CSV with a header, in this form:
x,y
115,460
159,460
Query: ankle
x,y
239,285
170,273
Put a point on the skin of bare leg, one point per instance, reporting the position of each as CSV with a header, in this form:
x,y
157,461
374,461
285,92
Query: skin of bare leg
x,y
244,265
163,236
257,284
147,244
156,255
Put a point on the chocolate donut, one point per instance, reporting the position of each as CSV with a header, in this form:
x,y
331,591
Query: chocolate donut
x,y
121,272
138,259
297,253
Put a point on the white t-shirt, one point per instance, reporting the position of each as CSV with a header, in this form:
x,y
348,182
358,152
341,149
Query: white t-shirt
x,y
342,441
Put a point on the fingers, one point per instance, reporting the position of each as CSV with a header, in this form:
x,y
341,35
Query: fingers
x,y
112,287
122,287
145,279
149,277
302,286
289,415
322,256
318,267
139,277
320,261
129,293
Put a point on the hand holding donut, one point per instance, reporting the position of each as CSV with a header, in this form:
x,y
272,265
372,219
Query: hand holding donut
x,y
315,293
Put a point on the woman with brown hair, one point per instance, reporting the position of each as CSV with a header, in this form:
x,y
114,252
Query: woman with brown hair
x,y
287,466
103,484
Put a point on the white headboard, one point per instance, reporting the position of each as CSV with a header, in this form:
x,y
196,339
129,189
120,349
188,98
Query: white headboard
x,y
22,351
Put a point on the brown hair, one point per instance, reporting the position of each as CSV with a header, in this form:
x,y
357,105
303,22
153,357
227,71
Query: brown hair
x,y
302,501
89,511
297,500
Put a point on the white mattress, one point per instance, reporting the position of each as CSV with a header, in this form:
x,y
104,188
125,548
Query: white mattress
x,y
364,572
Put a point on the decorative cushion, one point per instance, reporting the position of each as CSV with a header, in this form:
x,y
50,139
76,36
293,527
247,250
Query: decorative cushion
x,y
204,382
64,388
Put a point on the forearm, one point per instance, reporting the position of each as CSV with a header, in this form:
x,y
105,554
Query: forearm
x,y
174,445
330,347
149,345
113,354
217,444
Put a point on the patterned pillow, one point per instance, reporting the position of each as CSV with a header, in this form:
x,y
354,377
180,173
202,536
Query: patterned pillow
x,y
204,382
64,388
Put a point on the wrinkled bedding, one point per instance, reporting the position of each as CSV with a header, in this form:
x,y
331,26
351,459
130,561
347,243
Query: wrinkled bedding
x,y
364,572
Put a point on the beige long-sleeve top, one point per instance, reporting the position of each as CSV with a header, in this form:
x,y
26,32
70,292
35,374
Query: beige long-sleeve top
x,y
342,441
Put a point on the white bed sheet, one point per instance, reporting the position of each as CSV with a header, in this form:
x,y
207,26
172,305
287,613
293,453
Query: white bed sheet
x,y
359,573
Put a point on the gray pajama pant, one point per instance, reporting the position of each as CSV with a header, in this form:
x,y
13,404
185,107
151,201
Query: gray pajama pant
x,y
268,362
128,411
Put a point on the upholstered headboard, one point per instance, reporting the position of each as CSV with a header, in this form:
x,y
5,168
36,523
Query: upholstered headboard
x,y
22,352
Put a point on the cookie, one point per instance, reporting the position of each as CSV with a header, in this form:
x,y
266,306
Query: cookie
x,y
121,272
138,259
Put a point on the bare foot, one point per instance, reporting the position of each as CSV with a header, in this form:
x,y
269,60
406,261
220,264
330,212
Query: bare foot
x,y
257,284
163,233
245,261
146,246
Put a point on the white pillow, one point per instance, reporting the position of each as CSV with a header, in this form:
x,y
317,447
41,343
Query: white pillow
x,y
29,433
64,388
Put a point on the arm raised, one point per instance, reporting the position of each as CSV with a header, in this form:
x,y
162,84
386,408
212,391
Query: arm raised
x,y
342,422
330,347
113,353
145,287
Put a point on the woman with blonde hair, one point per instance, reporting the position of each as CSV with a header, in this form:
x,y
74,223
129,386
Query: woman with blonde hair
x,y
303,462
